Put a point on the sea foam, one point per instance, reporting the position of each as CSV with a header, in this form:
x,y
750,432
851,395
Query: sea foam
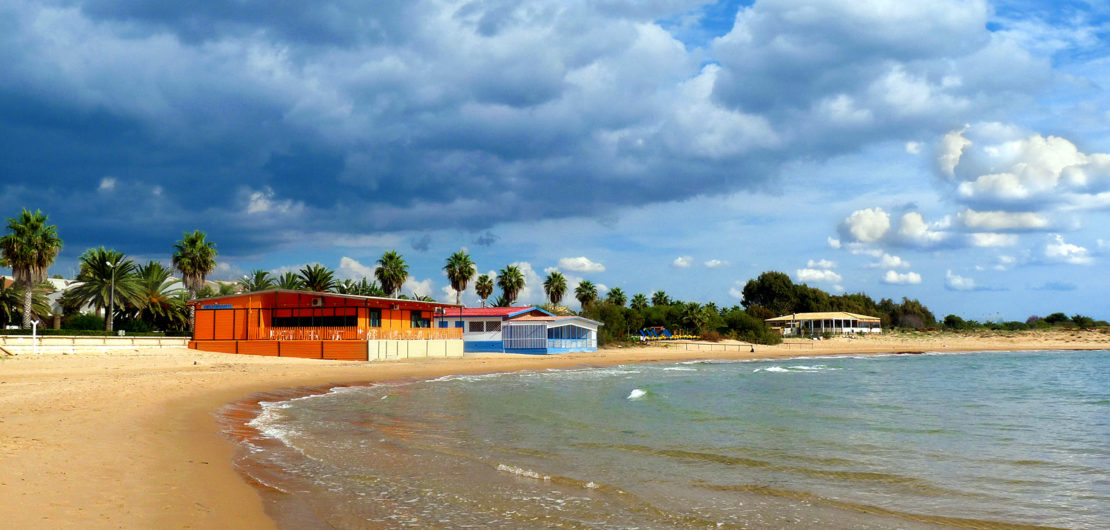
x,y
636,393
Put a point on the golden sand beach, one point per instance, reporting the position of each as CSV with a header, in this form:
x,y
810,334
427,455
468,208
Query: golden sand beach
x,y
130,439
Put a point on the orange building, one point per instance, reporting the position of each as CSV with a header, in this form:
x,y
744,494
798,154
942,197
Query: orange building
x,y
287,323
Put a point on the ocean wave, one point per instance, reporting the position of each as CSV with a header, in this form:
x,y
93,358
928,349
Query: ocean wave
x,y
798,368
637,393
679,369
521,472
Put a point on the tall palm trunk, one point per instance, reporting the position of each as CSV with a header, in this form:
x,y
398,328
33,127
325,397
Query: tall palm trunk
x,y
27,294
192,309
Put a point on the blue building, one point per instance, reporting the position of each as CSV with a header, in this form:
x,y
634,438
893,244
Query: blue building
x,y
520,330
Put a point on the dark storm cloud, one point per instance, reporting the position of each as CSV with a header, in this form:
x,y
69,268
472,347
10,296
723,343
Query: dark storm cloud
x,y
261,121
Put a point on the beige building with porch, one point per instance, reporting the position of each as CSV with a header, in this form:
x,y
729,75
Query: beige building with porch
x,y
837,322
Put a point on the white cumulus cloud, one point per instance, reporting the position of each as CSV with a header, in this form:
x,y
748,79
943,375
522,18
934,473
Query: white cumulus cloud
x,y
821,264
817,275
715,263
909,278
1061,251
580,264
991,239
956,282
1001,220
915,231
350,268
889,261
683,262
866,226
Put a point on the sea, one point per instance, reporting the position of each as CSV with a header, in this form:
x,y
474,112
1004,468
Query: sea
x,y
969,440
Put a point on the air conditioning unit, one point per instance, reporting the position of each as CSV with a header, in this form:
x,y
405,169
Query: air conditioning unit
x,y
317,302
395,307
441,311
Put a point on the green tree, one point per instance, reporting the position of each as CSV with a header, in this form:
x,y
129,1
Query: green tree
x,y
511,281
555,286
101,269
954,322
160,305
368,288
318,278
11,302
460,269
29,248
694,317
195,257
484,287
392,272
257,280
660,298
772,290
639,302
617,297
1057,319
586,293
1083,321
291,281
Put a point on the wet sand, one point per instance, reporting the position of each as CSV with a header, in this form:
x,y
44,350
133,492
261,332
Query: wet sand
x,y
131,439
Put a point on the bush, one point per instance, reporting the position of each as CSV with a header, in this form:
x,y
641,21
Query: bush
x,y
83,321
711,336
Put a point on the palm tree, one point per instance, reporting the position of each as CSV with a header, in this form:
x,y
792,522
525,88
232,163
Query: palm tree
x,y
392,272
616,297
586,293
29,249
555,286
290,280
195,258
370,289
317,278
459,272
108,281
639,302
257,280
695,317
160,305
660,298
347,286
11,302
484,287
511,281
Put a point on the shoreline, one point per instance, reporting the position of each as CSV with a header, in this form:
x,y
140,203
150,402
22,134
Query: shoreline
x,y
134,439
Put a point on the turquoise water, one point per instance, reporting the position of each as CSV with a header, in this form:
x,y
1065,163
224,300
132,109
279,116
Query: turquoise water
x,y
862,442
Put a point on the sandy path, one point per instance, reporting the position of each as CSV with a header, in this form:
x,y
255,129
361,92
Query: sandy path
x,y
128,439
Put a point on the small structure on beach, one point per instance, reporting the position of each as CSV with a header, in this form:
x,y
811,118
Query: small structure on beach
x,y
520,330
837,322
288,323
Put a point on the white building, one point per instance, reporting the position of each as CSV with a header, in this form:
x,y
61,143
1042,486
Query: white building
x,y
838,322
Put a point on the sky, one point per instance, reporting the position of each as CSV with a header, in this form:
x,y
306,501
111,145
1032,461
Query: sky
x,y
956,152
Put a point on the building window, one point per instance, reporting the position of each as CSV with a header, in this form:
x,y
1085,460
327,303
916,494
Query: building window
x,y
374,318
493,325
419,320
458,323
339,321
476,326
